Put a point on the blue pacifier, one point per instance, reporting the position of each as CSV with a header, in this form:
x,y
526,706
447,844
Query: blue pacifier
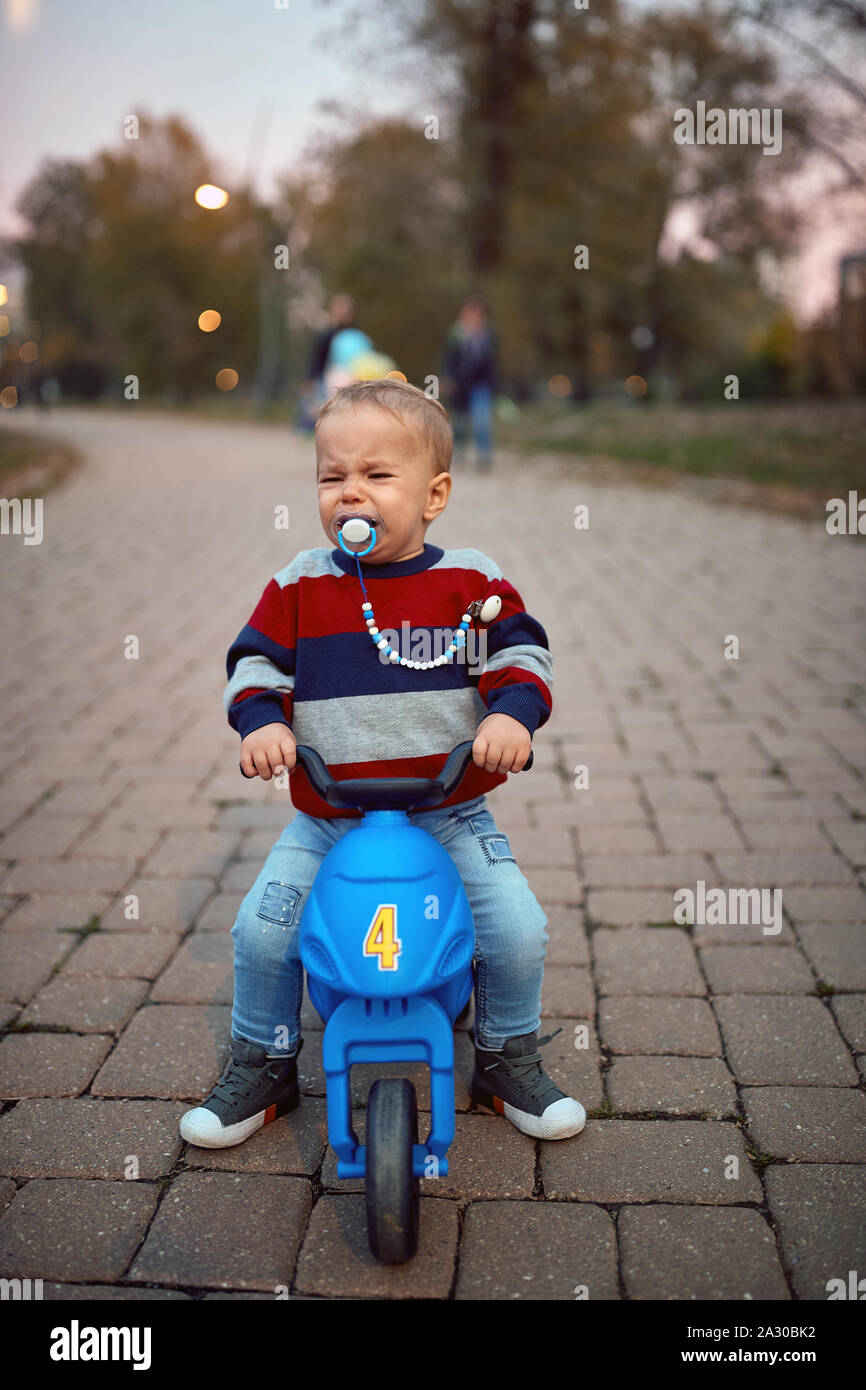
x,y
356,529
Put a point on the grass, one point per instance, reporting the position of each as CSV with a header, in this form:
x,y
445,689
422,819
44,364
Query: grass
x,y
814,448
31,464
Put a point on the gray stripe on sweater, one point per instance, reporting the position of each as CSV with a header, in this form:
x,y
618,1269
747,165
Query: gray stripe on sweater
x,y
256,673
370,728
528,656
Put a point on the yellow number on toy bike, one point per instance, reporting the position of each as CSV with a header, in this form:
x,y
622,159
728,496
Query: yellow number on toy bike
x,y
382,939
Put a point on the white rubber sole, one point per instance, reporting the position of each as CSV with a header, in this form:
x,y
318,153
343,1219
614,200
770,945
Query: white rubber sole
x,y
561,1120
202,1128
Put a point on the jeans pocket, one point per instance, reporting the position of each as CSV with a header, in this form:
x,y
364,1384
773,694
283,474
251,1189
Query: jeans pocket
x,y
279,903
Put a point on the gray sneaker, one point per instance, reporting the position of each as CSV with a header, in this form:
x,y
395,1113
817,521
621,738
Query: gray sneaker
x,y
513,1083
253,1090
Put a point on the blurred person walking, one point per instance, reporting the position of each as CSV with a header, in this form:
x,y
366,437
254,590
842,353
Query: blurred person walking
x,y
470,378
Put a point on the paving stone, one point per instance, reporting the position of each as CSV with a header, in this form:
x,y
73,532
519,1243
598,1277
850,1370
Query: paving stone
x,y
541,849
695,832
78,797
127,955
567,991
616,839
85,1004
201,972
226,1230
7,1192
850,836
199,853
26,962
672,1085
295,1143
220,913
836,953
553,886
820,1214
488,1158
660,1025
676,794
644,870
649,1161
250,816
850,1014
38,838
567,943
699,1253
110,1293
590,809
335,1259
90,1138
756,970
69,1229
8,1012
765,834
646,960
774,1039
164,904
629,907
48,1064
783,870
169,1051
757,933
825,904
107,842
810,1124
51,911
76,875
535,1250
806,810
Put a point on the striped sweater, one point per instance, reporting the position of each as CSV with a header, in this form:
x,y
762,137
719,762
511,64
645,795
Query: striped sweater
x,y
305,658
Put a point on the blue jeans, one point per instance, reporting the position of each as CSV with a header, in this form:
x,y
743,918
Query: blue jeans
x,y
480,419
510,935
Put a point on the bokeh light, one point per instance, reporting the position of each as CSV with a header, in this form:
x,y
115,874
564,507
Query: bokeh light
x,y
9,397
209,319
635,387
28,352
207,195
559,386
227,378
396,376
4,294
4,325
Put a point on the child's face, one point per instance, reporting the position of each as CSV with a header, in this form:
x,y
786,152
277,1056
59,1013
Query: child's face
x,y
370,463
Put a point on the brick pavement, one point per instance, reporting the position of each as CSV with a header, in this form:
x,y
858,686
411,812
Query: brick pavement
x,y
723,1067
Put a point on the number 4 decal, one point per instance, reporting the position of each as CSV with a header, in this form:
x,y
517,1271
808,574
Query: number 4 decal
x,y
382,939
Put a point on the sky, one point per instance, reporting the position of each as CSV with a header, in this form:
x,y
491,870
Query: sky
x,y
70,70
250,77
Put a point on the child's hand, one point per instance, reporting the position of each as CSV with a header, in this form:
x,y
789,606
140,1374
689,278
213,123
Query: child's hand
x,y
502,744
267,750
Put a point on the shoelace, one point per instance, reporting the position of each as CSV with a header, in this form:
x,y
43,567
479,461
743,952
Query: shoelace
x,y
238,1081
521,1067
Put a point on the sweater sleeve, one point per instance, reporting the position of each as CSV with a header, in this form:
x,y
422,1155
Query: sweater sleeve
x,y
517,673
260,664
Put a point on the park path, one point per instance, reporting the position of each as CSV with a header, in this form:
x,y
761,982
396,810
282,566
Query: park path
x,y
723,1067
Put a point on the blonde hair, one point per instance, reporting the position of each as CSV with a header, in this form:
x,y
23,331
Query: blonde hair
x,y
407,404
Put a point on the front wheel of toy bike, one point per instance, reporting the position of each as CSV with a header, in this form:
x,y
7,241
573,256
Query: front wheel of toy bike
x,y
392,1193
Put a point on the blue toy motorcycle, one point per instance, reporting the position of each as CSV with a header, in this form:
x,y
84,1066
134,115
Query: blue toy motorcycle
x,y
387,941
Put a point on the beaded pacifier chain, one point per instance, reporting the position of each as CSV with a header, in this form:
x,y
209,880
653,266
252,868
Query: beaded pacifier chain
x,y
356,529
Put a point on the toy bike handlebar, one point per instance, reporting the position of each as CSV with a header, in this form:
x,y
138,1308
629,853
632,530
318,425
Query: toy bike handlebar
x,y
389,793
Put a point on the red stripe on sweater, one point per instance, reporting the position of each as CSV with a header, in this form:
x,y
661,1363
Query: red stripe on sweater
x,y
475,782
